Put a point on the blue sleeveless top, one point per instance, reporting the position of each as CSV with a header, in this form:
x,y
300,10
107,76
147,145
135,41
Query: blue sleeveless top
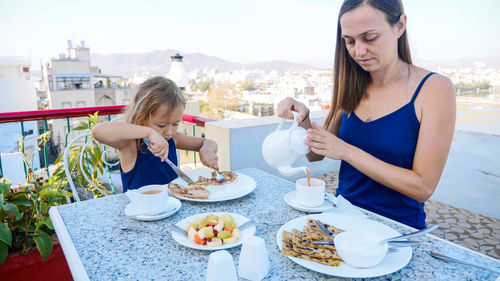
x,y
392,139
149,169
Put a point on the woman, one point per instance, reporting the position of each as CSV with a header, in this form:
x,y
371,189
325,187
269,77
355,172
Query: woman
x,y
391,122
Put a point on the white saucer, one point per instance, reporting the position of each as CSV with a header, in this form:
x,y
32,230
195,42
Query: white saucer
x,y
172,207
291,200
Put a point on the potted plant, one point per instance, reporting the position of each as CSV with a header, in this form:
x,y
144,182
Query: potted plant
x,y
25,225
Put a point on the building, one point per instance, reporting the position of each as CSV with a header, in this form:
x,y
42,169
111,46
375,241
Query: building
x,y
71,82
18,94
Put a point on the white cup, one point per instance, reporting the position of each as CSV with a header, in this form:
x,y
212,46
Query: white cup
x,y
310,196
254,261
150,199
221,267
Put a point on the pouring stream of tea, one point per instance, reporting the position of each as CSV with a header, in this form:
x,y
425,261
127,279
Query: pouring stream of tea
x,y
308,177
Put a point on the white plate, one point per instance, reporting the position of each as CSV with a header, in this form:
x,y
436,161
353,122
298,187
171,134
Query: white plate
x,y
227,191
173,206
391,263
185,241
291,200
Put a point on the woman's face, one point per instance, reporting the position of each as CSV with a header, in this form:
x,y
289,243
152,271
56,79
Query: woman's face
x,y
165,121
369,38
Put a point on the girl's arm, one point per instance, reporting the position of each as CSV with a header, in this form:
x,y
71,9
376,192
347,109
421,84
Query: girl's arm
x,y
207,148
436,133
119,134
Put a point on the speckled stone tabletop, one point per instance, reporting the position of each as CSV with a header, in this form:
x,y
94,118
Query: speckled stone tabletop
x,y
109,253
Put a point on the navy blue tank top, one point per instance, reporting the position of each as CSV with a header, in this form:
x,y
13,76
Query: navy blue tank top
x,y
149,169
392,139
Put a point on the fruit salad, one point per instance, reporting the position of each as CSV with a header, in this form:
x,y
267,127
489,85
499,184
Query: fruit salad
x,y
213,230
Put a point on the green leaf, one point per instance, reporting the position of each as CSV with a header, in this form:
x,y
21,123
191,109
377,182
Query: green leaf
x,y
12,210
20,199
4,252
5,234
43,243
4,186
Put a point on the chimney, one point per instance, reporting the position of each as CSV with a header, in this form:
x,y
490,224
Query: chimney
x,y
177,72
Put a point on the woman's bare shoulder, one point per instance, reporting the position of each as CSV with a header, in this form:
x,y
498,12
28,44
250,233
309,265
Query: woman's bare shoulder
x,y
437,86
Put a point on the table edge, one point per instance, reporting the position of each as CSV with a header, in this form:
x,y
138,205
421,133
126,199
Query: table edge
x,y
72,258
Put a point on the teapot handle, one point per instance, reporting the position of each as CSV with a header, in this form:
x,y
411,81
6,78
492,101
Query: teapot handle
x,y
295,123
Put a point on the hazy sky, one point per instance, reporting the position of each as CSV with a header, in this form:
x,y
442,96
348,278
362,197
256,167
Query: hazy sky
x,y
241,31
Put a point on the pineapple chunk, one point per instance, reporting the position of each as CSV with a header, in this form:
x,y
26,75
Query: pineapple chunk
x,y
236,233
219,226
201,233
215,242
191,233
230,240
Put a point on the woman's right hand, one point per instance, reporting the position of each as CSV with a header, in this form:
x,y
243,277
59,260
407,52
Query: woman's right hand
x,y
286,106
159,145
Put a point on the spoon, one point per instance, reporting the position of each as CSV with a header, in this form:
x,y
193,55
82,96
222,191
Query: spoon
x,y
412,234
327,198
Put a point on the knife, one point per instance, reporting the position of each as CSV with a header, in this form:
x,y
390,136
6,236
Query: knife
x,y
324,229
390,243
172,165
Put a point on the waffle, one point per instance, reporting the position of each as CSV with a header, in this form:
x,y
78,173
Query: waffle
x,y
197,189
299,244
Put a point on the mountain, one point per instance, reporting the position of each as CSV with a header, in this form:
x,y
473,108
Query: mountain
x,y
158,62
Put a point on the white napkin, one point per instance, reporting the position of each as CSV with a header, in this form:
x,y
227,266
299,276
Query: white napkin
x,y
345,207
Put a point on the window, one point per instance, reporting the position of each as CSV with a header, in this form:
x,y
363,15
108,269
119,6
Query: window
x,y
26,69
80,104
66,104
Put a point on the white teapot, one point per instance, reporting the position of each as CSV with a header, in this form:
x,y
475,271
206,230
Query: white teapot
x,y
282,148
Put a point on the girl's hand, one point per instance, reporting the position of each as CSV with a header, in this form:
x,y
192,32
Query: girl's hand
x,y
159,145
324,143
286,106
209,157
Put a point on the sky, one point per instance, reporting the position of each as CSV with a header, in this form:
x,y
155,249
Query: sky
x,y
240,31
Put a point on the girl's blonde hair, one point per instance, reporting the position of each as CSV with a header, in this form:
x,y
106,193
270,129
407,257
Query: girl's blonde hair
x,y
150,95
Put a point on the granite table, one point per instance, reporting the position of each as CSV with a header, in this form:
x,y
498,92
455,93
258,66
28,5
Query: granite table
x,y
97,249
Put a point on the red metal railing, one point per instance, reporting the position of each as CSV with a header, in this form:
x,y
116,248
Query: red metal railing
x,y
67,113
23,116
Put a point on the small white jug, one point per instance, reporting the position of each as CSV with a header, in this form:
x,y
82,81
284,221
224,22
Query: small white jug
x,y
282,148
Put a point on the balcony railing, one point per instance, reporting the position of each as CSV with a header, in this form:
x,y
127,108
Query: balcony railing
x,y
68,113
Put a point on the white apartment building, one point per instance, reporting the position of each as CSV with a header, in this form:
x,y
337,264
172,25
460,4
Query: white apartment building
x,y
18,93
71,82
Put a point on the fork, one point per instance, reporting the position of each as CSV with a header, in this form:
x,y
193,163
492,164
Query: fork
x,y
219,178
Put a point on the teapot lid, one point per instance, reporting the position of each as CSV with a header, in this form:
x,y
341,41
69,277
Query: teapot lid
x,y
297,139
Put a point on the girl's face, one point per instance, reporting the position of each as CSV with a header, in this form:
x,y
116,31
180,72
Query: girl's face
x,y
165,121
370,40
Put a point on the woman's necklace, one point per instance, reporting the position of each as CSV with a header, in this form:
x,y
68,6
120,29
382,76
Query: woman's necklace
x,y
370,118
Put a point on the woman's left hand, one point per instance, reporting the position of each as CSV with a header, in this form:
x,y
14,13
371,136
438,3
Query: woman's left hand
x,y
324,143
209,158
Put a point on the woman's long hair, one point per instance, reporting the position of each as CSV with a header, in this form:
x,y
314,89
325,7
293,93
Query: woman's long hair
x,y
349,79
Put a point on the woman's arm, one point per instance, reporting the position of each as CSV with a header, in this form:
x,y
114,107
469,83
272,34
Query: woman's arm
x,y
436,133
334,129
207,148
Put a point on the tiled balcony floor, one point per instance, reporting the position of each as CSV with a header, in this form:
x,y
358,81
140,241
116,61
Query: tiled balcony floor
x,y
474,231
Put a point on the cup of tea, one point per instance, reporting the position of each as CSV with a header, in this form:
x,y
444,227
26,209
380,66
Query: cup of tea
x,y
310,195
150,199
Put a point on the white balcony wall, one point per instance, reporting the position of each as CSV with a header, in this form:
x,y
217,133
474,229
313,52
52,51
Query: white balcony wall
x,y
240,145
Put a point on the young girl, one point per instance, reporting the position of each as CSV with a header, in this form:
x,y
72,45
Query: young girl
x,y
391,122
154,114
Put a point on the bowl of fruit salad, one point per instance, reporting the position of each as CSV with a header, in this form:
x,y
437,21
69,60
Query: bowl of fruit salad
x,y
213,231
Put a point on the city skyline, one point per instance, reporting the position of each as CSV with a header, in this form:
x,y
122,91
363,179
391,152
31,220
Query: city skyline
x,y
296,31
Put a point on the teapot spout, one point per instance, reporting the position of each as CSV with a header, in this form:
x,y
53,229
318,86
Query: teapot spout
x,y
289,171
